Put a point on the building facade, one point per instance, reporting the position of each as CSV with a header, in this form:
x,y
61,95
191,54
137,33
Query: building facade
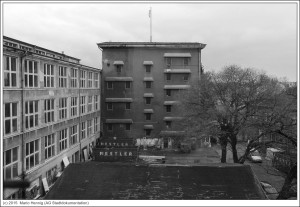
x,y
141,85
51,114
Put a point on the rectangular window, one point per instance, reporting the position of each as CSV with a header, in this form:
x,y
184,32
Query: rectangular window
x,y
49,110
11,158
96,80
185,61
127,127
169,62
185,77
10,117
62,108
119,68
90,103
148,84
82,104
127,106
148,68
109,106
31,114
168,124
96,102
73,135
10,72
110,85
75,157
168,108
48,75
73,106
62,77
31,74
147,132
83,130
82,78
32,151
148,100
49,146
168,92
89,127
127,84
97,124
63,139
74,78
148,116
90,79
51,176
168,76
109,127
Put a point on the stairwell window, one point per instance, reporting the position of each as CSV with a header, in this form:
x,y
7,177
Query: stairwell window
x,y
62,108
168,62
49,110
127,85
127,127
62,77
73,134
148,100
109,127
49,146
31,114
82,79
185,61
185,77
74,106
168,92
32,154
119,68
148,116
74,77
10,72
168,76
127,106
148,68
109,106
90,79
63,139
48,76
148,84
147,132
168,108
11,159
11,117
31,74
168,124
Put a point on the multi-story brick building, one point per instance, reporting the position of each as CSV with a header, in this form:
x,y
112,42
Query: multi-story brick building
x,y
51,114
140,86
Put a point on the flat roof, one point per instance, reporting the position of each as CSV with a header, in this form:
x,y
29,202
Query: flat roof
x,y
152,44
119,181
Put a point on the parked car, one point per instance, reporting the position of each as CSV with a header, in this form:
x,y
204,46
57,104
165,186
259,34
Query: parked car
x,y
254,156
270,191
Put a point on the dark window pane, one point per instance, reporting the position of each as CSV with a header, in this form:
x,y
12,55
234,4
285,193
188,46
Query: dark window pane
x,y
7,127
30,81
35,67
7,110
36,106
13,64
15,154
14,109
31,160
14,125
8,173
30,106
35,81
31,121
36,145
27,148
30,66
15,170
36,158
6,79
7,157
13,79
36,120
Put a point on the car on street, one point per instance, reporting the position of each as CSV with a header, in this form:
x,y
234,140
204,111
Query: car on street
x,y
254,156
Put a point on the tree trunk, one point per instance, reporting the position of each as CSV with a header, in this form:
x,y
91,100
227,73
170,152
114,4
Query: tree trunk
x,y
284,193
233,147
224,153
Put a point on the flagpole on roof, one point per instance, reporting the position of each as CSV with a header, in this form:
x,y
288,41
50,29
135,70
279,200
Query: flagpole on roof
x,y
150,15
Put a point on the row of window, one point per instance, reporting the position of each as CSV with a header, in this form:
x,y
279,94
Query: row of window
x,y
67,77
127,127
148,84
53,145
32,110
183,61
128,105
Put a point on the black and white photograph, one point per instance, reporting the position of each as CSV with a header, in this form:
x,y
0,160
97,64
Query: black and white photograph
x,y
149,103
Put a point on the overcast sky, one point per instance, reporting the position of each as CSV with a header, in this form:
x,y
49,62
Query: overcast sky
x,y
258,35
